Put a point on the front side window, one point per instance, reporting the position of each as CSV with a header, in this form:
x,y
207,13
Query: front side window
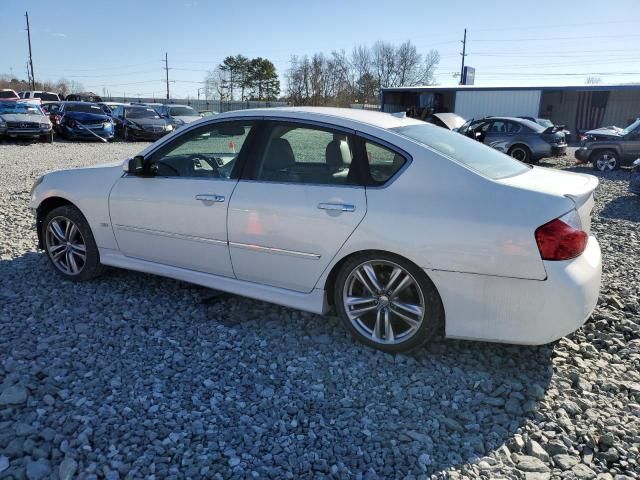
x,y
475,155
209,152
296,153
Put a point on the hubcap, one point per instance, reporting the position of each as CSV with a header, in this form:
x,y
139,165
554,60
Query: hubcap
x,y
606,162
383,302
65,246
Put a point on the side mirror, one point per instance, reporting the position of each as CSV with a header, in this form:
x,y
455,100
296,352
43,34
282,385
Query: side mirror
x,y
134,166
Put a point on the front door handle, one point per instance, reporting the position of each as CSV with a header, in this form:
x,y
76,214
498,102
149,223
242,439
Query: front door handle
x,y
209,197
342,207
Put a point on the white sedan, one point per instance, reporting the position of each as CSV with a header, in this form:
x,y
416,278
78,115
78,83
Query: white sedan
x,y
402,228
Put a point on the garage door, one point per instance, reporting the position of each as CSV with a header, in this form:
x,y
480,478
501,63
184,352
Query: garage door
x,y
506,103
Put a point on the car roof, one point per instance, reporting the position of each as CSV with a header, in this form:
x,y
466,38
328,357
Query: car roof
x,y
329,114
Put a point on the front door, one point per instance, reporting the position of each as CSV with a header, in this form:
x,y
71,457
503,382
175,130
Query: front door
x,y
176,214
631,146
297,205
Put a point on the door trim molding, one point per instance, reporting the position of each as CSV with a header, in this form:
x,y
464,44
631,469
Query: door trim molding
x,y
179,236
281,251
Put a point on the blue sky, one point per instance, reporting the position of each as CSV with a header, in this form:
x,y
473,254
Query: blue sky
x,y
119,45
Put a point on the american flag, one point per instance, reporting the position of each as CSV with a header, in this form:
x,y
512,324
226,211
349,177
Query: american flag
x,y
591,107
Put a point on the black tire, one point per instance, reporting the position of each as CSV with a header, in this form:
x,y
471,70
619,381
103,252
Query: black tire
x,y
90,267
605,160
47,138
421,288
520,152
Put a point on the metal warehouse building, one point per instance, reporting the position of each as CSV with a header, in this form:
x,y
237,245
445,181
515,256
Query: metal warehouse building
x,y
580,107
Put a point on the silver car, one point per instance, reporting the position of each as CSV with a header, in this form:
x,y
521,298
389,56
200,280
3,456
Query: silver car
x,y
523,139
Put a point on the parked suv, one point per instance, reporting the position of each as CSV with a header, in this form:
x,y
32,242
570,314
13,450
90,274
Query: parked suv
x,y
522,139
608,148
24,120
178,115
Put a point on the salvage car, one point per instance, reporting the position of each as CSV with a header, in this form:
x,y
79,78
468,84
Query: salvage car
x,y
178,115
83,120
43,96
24,120
400,227
522,139
608,149
109,107
137,122
634,182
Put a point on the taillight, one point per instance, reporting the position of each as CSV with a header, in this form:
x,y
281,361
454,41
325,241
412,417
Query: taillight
x,y
557,240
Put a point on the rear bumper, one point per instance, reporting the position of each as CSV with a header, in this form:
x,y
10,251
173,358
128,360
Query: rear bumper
x,y
558,150
529,312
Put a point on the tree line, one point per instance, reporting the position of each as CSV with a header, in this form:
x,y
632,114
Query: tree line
x,y
336,79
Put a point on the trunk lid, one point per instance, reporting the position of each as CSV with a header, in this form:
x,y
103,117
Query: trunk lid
x,y
578,187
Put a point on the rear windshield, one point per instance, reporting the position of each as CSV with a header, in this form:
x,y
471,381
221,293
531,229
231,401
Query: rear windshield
x,y
475,155
47,97
7,94
84,108
182,112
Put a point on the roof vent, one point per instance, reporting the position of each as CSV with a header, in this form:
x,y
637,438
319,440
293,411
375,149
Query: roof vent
x,y
400,114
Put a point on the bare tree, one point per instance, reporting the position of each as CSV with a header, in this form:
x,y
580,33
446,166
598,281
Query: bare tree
x,y
214,84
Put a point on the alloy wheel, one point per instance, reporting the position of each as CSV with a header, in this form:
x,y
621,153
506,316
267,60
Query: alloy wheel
x,y
383,302
606,162
65,245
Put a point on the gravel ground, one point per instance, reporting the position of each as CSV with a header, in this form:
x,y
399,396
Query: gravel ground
x,y
135,376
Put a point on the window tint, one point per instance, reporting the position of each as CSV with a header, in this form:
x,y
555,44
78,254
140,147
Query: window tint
x,y
383,162
209,151
473,154
304,154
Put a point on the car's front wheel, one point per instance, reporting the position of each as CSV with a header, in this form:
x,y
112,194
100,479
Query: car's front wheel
x,y
70,245
387,302
605,160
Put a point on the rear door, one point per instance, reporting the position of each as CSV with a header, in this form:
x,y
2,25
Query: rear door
x,y
296,205
631,146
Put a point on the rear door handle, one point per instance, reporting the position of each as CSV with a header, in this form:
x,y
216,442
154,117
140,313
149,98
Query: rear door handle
x,y
209,197
342,207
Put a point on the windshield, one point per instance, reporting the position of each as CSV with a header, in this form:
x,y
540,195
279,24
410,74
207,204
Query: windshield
x,y
182,112
632,127
545,123
140,112
84,108
20,108
475,155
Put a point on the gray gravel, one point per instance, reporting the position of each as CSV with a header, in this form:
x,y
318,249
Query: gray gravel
x,y
135,376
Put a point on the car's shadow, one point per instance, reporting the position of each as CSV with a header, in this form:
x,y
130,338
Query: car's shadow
x,y
447,404
626,207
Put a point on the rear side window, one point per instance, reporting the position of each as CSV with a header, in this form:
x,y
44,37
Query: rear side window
x,y
383,162
471,153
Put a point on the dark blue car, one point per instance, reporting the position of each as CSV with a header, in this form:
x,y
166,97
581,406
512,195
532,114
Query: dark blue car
x,y
83,120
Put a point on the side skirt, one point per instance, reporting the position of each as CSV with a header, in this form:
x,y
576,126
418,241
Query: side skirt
x,y
314,302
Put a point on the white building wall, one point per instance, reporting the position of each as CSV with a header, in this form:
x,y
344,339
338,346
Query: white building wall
x,y
505,103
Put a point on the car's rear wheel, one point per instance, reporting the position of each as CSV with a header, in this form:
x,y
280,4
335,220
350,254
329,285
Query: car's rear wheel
x,y
520,152
387,302
605,160
70,245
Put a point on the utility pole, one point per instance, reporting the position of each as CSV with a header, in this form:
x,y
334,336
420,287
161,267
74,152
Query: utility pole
x,y
464,54
33,77
166,68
